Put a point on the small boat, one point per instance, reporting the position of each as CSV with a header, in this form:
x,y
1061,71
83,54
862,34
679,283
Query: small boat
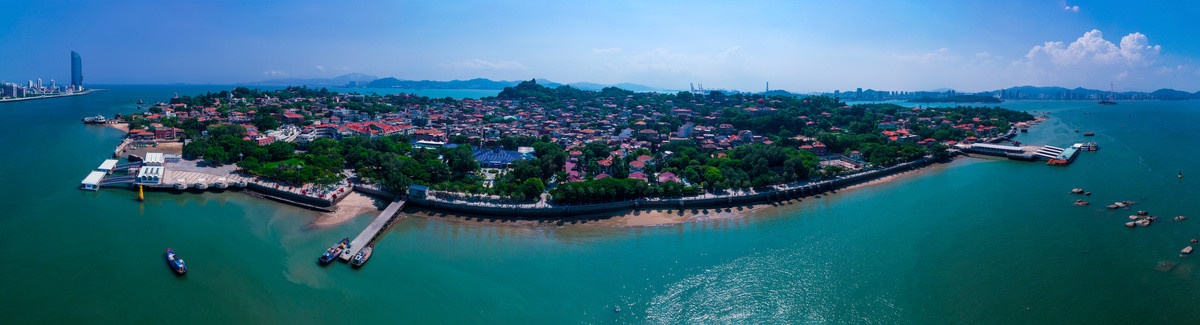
x,y
139,101
362,256
333,252
1088,134
175,262
98,119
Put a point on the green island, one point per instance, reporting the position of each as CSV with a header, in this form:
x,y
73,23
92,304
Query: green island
x,y
562,145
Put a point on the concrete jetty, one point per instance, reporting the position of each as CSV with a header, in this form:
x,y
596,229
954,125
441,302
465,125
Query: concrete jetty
x,y
376,226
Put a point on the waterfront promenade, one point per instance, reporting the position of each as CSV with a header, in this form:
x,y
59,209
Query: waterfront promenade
x,y
194,174
85,92
781,192
185,174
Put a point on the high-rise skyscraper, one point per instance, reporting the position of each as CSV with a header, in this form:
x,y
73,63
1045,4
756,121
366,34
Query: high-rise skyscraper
x,y
76,70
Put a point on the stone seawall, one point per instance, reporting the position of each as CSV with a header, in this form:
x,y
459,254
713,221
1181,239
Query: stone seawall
x,y
773,195
375,192
290,197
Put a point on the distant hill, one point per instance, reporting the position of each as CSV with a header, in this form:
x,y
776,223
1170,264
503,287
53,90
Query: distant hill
x,y
338,81
1172,94
778,92
634,87
481,83
477,83
586,85
1032,92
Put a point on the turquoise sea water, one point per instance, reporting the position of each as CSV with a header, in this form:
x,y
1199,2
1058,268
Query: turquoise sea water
x,y
979,240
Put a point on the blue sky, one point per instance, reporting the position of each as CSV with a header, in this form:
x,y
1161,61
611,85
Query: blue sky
x,y
795,45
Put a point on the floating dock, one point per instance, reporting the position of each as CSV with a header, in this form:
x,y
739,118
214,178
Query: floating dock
x,y
1066,157
367,235
1049,152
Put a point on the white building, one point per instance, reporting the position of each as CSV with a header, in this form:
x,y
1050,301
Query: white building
x,y
154,159
92,181
107,166
995,149
150,174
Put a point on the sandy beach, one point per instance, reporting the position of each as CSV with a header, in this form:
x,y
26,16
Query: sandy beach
x,y
352,206
124,127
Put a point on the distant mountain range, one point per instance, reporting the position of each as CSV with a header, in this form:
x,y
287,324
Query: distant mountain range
x,y
364,80
1022,92
1031,92
481,83
339,81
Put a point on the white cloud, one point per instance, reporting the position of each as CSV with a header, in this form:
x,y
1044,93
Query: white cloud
x,y
273,73
486,65
320,68
1071,8
1092,61
942,54
659,59
1092,48
607,50
729,51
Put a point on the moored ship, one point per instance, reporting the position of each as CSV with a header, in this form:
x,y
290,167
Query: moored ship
x,y
334,251
362,256
175,262
1066,157
98,119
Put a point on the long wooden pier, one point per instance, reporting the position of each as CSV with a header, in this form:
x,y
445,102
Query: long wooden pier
x,y
376,226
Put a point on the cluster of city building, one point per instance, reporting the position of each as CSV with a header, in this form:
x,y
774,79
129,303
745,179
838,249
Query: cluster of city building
x,y
33,88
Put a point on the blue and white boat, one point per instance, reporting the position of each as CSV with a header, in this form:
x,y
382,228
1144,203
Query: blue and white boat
x,y
362,256
333,252
175,262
